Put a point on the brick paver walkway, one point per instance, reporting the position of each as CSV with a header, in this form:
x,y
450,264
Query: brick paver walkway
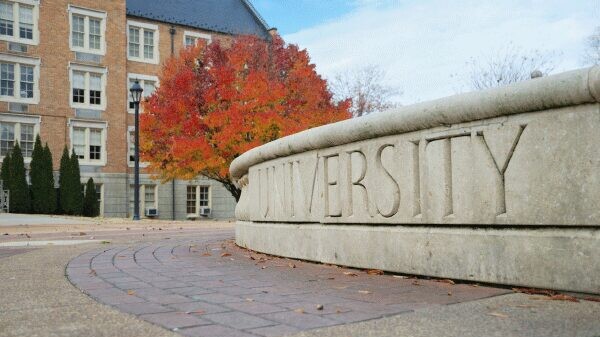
x,y
207,286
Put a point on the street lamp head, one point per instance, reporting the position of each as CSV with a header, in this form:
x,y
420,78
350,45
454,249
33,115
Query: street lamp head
x,y
136,92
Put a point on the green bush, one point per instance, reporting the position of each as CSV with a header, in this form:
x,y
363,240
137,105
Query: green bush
x,y
63,190
5,171
91,206
75,176
43,195
17,183
71,192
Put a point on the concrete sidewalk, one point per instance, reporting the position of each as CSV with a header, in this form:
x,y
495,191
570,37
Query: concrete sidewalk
x,y
12,219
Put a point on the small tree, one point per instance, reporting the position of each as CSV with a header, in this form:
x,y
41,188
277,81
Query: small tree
x,y
42,182
76,186
365,88
91,207
510,65
63,181
48,175
591,54
17,181
5,171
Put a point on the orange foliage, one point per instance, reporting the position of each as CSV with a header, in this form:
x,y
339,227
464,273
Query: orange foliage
x,y
215,102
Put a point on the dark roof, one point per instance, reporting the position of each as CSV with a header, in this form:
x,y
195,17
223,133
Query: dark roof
x,y
226,16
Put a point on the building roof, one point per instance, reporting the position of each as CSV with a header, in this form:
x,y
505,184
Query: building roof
x,y
225,16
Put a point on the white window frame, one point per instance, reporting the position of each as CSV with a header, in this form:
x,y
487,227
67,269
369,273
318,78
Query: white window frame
x,y
103,126
142,78
87,70
16,28
87,14
143,197
29,61
131,129
142,26
196,35
18,120
197,187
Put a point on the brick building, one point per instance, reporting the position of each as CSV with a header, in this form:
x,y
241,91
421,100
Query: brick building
x,y
65,70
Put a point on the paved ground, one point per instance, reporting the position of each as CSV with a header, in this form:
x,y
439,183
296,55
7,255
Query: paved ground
x,y
194,281
209,287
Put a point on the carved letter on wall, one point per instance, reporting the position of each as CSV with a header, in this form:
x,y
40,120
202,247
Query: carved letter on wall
x,y
332,200
391,182
356,181
501,143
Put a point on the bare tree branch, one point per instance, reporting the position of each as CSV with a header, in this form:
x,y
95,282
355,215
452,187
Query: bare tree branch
x,y
591,54
510,65
366,89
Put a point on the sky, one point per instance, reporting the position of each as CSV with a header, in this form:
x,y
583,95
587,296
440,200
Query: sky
x,y
424,45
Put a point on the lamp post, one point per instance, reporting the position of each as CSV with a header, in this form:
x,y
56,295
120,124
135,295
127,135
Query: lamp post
x,y
136,95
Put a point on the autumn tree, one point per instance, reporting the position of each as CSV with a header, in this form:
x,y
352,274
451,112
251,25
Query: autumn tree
x,y
366,88
216,102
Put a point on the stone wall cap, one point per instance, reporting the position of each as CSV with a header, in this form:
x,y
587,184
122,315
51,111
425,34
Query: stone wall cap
x,y
570,88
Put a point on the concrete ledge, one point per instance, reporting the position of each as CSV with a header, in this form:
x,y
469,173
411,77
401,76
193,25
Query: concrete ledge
x,y
570,88
558,258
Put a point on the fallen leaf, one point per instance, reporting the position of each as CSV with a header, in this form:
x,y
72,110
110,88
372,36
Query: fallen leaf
x,y
319,306
498,314
331,278
338,311
364,291
416,283
207,254
300,311
225,254
93,272
533,291
562,297
199,312
249,300
263,267
444,281
526,306
349,273
291,265
104,242
474,285
82,233
375,272
449,293
130,292
593,299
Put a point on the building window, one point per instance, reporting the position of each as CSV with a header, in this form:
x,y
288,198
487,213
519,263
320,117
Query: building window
x,y
87,30
19,79
197,197
88,86
21,129
131,148
142,42
88,141
191,200
147,82
148,198
18,21
191,38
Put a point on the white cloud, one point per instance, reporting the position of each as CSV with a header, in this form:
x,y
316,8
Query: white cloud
x,y
422,44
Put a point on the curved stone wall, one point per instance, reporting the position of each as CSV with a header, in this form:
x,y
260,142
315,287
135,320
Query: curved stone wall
x,y
522,157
